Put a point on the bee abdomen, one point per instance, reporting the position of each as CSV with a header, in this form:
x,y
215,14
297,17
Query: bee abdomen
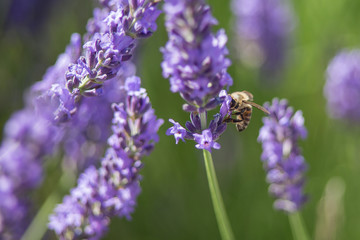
x,y
246,116
242,126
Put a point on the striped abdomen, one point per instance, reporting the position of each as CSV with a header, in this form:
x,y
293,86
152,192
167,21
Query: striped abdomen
x,y
244,115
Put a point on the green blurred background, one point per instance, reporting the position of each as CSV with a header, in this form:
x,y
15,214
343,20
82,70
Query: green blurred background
x,y
175,202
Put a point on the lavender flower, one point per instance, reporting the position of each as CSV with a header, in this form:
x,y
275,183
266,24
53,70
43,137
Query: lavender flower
x,y
194,58
49,97
32,134
96,24
264,27
205,141
111,36
28,137
106,51
342,88
27,15
112,189
205,138
195,61
85,137
283,162
177,130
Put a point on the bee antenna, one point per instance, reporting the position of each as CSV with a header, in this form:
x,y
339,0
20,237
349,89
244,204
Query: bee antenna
x,y
257,106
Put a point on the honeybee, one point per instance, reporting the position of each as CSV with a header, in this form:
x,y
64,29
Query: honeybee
x,y
241,106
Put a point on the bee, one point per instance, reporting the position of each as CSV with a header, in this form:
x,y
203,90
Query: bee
x,y
241,106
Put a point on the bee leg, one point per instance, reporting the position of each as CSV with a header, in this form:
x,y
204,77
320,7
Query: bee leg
x,y
231,120
238,113
227,119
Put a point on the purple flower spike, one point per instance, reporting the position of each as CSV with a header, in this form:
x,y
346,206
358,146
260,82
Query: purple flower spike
x,y
194,58
281,155
195,62
106,50
206,141
29,136
112,189
50,97
100,194
264,27
342,88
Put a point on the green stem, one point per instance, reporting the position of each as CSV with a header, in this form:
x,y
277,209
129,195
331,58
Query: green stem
x,y
297,227
38,225
203,120
220,213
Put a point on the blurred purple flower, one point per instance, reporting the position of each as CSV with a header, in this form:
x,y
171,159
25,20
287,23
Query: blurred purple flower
x,y
281,155
264,28
49,97
28,137
112,189
342,88
28,15
85,136
48,102
109,41
96,24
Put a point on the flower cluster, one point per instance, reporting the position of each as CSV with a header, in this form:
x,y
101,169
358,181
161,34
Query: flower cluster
x,y
205,139
110,39
283,162
34,132
28,137
195,63
85,136
49,97
263,27
112,189
342,88
194,58
106,50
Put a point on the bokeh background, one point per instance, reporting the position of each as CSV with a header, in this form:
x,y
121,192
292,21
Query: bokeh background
x,y
175,202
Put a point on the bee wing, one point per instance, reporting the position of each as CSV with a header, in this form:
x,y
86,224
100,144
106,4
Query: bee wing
x,y
257,106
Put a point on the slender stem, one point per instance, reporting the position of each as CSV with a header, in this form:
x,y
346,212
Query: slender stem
x,y
220,213
37,228
38,225
297,227
203,120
